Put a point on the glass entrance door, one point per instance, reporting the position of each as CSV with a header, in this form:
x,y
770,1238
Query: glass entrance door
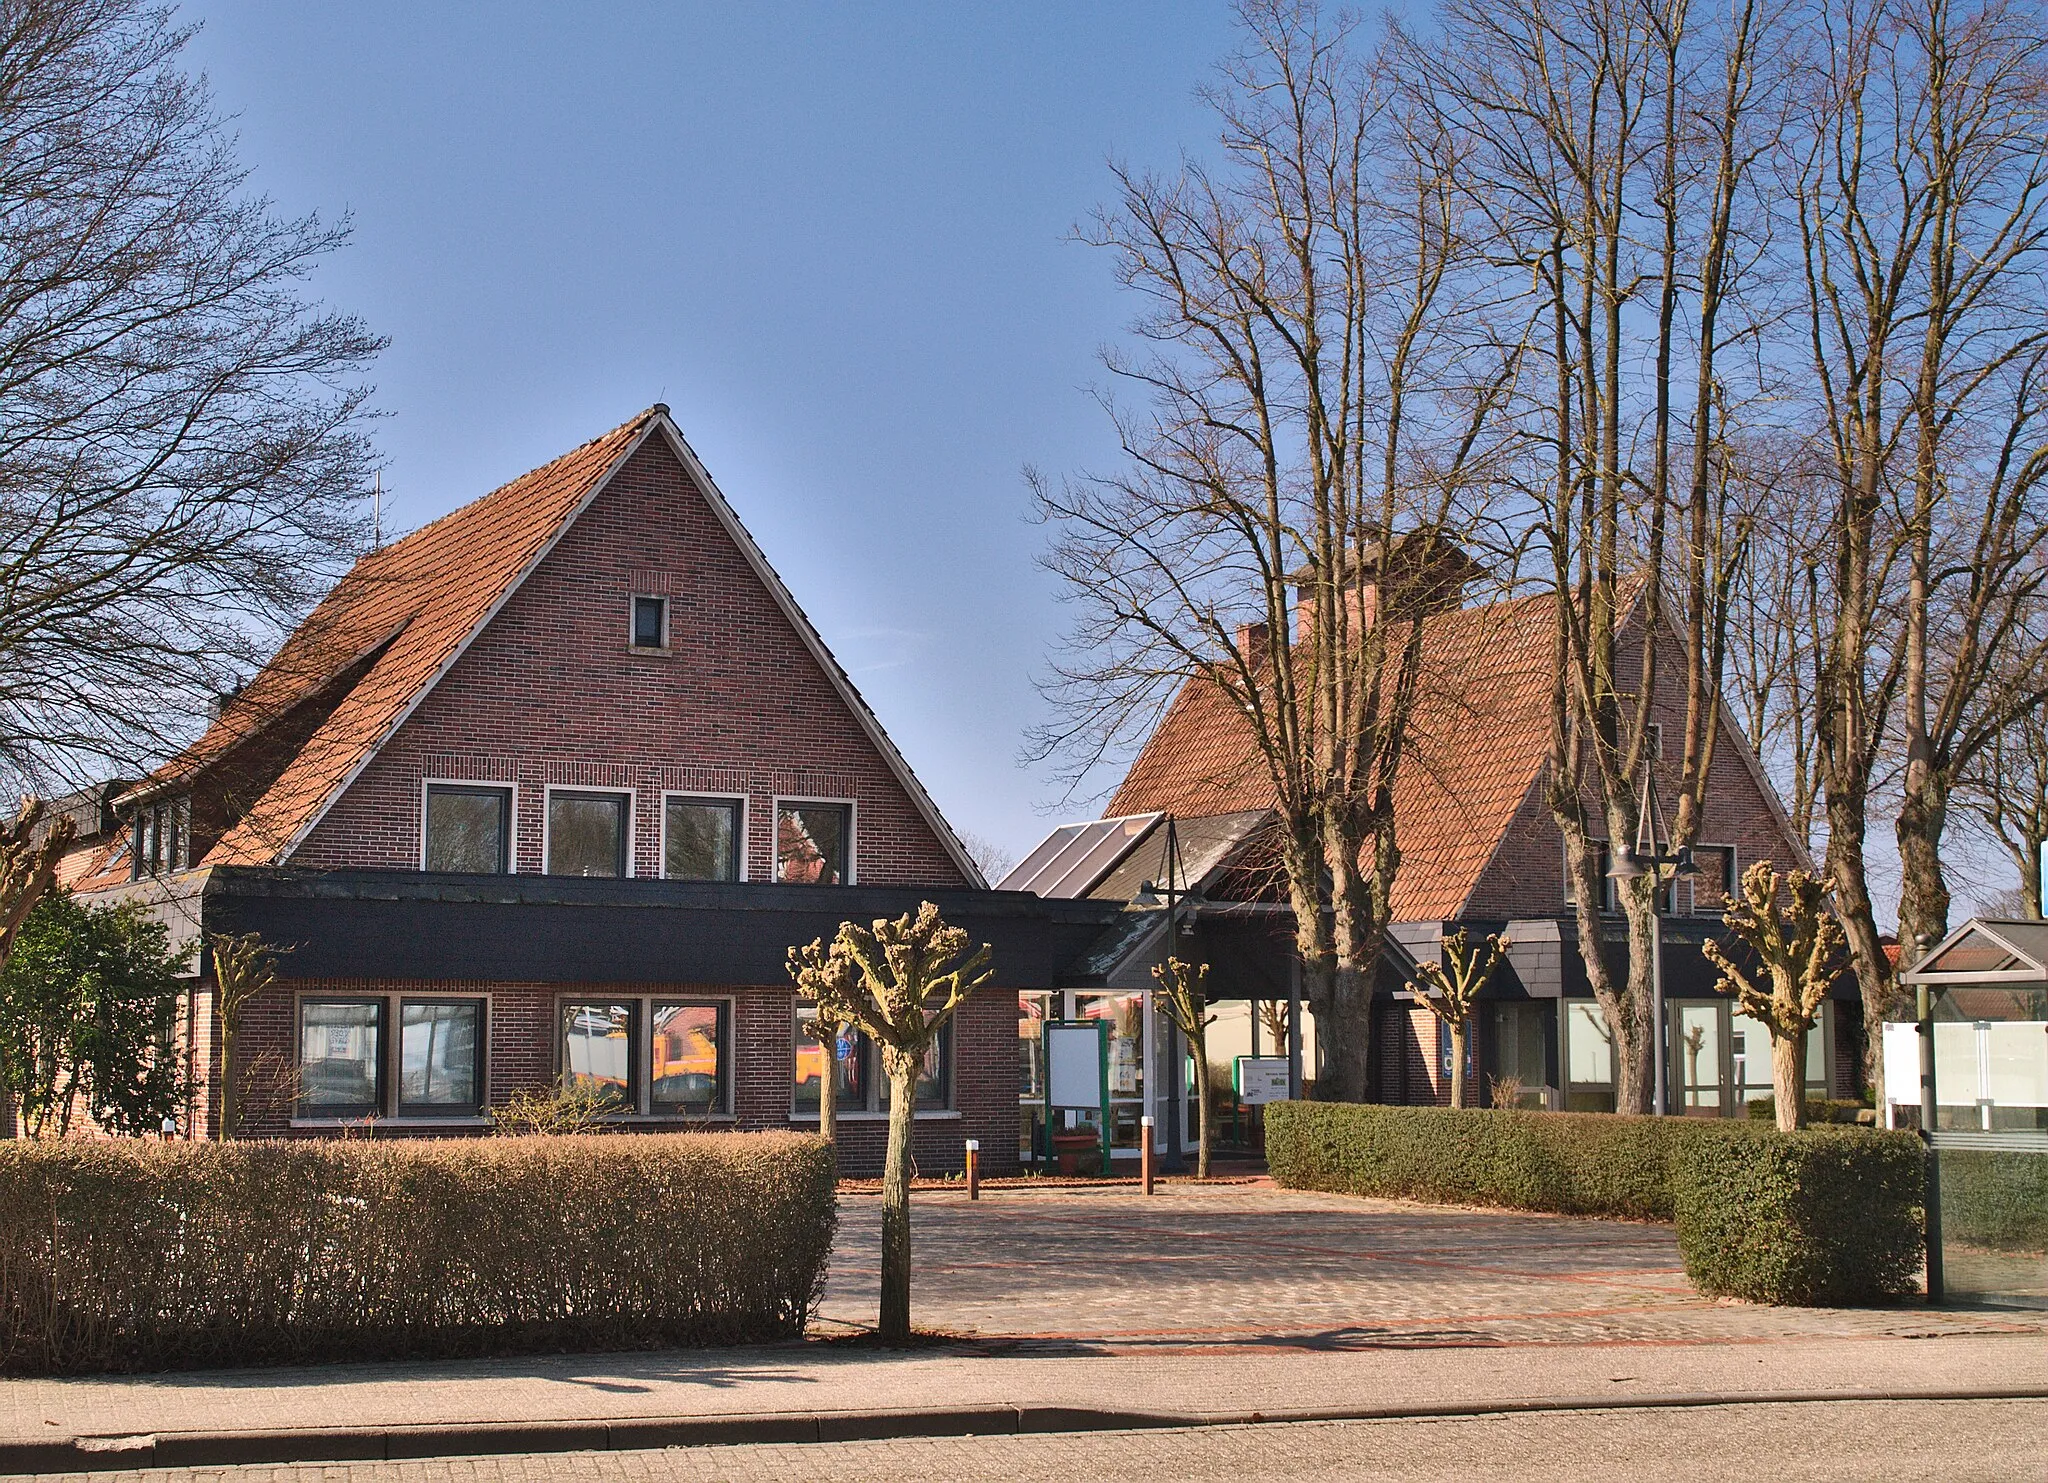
x,y
1697,1038
1127,1016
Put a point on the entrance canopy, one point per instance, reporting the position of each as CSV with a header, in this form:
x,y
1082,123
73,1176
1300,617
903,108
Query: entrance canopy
x,y
1984,953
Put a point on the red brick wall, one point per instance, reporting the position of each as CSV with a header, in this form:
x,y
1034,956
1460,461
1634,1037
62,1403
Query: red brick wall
x,y
1525,878
521,1058
550,693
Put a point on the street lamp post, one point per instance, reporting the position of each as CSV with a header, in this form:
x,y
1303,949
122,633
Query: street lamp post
x,y
1173,893
1630,863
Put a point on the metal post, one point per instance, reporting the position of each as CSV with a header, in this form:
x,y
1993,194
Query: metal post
x,y
1660,1102
1145,1153
973,1168
1925,1007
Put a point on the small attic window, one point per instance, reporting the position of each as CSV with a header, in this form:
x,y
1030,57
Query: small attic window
x,y
650,622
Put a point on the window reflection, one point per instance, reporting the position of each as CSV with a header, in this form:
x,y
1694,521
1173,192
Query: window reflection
x,y
811,843
437,1055
597,1050
689,1058
340,1056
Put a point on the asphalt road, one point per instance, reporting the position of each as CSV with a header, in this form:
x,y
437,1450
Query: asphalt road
x,y
1853,1441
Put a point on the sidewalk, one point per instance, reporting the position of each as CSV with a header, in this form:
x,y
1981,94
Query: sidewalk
x,y
1093,1309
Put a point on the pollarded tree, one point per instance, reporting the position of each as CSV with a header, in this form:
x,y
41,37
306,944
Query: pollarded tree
x,y
898,982
825,978
1785,923
1451,988
243,967
1185,999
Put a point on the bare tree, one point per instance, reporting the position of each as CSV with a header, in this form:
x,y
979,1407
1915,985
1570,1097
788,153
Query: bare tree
x,y
1784,922
1308,446
1619,148
1450,991
1183,995
1920,181
2004,793
181,430
899,981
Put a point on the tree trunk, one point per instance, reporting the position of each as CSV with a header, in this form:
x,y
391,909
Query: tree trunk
x,y
1923,889
895,1315
1859,924
828,1090
1636,1038
228,1120
1458,1033
1200,1044
1788,1079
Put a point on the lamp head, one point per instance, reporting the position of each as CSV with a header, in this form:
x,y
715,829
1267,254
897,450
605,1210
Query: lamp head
x,y
1148,895
1683,863
1627,866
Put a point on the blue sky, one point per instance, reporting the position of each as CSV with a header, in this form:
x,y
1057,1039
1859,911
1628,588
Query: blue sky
x,y
832,238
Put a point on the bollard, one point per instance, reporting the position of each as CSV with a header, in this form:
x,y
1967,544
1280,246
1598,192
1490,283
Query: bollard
x,y
1145,1153
974,1168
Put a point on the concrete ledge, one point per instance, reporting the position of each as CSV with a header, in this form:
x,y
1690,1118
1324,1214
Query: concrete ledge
x,y
228,1449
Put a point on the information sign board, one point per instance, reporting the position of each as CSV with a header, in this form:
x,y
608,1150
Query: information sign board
x,y
1260,1079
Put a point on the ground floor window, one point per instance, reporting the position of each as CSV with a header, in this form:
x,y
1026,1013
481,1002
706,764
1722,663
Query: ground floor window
x,y
345,1052
862,1083
648,1055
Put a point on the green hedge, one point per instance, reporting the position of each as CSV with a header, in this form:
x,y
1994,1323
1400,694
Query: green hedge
x,y
1996,1200
1818,1110
1572,1163
118,1255
1821,1216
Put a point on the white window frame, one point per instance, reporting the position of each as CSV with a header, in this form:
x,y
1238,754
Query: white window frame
x,y
389,1070
643,1056
512,824
852,806
739,798
633,602
632,823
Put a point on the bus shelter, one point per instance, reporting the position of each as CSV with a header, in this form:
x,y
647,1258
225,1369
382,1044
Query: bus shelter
x,y
1971,1074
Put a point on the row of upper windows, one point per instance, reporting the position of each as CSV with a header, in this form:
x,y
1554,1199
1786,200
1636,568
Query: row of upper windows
x,y
469,828
636,1055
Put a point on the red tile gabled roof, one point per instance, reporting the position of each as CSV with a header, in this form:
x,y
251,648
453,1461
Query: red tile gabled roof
x,y
1479,742
406,611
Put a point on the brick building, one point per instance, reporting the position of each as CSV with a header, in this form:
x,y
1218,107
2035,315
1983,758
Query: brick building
x,y
1479,850
545,791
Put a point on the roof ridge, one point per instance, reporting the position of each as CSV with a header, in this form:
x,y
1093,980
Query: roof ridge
x,y
540,468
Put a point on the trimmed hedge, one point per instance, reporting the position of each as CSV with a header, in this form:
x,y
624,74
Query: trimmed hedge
x,y
1819,1217
1818,1110
120,1255
1570,1163
1995,1200
1826,1215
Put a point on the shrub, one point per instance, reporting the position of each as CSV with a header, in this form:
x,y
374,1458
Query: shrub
x,y
1572,1163
1818,1110
1996,1200
123,1256
1821,1216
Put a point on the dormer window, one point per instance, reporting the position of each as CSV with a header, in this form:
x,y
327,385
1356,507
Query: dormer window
x,y
160,841
650,623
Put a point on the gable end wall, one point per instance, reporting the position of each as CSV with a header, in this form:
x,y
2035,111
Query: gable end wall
x,y
551,694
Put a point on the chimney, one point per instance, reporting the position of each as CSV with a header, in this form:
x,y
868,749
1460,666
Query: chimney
x,y
1413,575
1253,641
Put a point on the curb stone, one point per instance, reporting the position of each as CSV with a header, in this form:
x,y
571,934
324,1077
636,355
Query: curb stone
x,y
388,1444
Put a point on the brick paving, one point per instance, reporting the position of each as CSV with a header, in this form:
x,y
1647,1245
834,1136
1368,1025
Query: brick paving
x,y
1257,1267
1843,1442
